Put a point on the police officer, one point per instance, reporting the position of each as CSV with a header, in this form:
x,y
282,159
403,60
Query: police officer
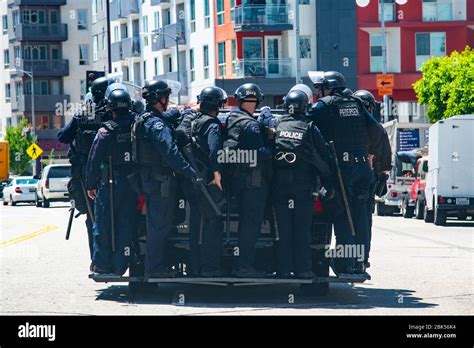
x,y
205,134
381,164
109,164
300,155
159,159
248,181
79,133
344,120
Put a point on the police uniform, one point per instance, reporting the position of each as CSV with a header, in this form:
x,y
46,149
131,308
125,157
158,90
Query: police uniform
x,y
79,133
300,156
159,160
248,184
112,146
345,121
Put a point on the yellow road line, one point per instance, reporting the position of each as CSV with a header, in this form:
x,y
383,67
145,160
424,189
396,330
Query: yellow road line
x,y
28,236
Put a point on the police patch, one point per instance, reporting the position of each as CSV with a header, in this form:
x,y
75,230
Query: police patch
x,y
158,126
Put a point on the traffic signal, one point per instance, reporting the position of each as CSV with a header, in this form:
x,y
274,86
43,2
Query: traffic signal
x,y
91,76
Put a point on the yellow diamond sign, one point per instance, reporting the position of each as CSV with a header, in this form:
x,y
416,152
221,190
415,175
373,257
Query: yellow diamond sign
x,y
34,151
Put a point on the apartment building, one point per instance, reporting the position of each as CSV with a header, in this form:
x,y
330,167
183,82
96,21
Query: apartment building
x,y
220,42
416,31
49,39
5,86
99,27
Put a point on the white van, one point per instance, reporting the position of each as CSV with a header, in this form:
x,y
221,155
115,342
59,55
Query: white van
x,y
449,188
52,186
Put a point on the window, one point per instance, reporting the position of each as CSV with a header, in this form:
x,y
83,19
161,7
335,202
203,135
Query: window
x,y
170,63
220,12
156,66
304,2
166,17
53,17
7,93
305,47
34,17
156,18
429,45
252,48
5,24
55,53
207,16
55,87
6,58
81,19
191,64
145,30
234,55
232,10
104,38
95,48
94,11
144,70
389,10
221,58
83,54
193,15
206,61
437,10
116,34
376,60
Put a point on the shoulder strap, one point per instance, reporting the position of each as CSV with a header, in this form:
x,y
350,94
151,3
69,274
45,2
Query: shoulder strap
x,y
111,125
328,100
237,117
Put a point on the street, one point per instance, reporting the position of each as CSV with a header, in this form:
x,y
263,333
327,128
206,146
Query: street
x,y
417,269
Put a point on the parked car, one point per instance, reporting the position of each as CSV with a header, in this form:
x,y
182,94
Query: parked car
x,y
20,189
52,186
3,184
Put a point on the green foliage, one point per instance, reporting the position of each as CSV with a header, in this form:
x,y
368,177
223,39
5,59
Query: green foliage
x,y
447,85
19,141
46,162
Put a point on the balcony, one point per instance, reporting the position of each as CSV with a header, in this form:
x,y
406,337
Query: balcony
x,y
40,32
43,103
164,41
37,3
266,68
159,2
131,47
116,51
262,18
123,8
41,68
183,79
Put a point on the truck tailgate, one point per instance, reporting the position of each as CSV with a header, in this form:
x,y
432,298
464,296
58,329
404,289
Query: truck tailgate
x,y
58,184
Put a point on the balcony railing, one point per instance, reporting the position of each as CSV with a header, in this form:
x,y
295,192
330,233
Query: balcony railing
x,y
37,3
165,41
267,68
42,68
40,32
45,103
183,79
116,51
262,18
123,8
131,47
159,2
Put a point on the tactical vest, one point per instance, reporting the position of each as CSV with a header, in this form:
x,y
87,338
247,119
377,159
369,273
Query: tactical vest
x,y
184,130
88,124
235,124
143,151
121,145
197,126
348,123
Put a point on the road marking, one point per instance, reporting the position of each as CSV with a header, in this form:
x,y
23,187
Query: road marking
x,y
28,236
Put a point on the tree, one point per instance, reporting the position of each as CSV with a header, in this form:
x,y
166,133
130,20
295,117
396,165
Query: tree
x,y
447,85
20,139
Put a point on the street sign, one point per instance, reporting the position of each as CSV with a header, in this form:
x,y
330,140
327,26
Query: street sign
x,y
34,151
384,80
385,91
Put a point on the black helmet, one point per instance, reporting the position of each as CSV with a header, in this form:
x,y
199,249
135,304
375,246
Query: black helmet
x,y
119,101
98,88
249,91
296,102
334,80
154,90
212,98
347,92
367,98
137,106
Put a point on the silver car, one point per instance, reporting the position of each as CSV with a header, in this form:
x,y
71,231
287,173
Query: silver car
x,y
20,189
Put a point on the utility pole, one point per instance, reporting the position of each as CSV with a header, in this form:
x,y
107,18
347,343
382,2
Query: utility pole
x,y
384,58
109,54
297,42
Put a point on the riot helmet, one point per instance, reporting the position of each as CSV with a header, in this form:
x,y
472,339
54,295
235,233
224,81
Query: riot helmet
x,y
249,92
98,88
211,99
296,102
367,98
154,90
305,89
119,101
347,92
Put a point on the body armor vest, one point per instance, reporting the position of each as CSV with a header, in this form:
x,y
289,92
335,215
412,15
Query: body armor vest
x,y
121,145
348,123
197,126
235,123
88,123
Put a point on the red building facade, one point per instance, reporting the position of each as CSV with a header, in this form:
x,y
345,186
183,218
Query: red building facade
x,y
415,32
